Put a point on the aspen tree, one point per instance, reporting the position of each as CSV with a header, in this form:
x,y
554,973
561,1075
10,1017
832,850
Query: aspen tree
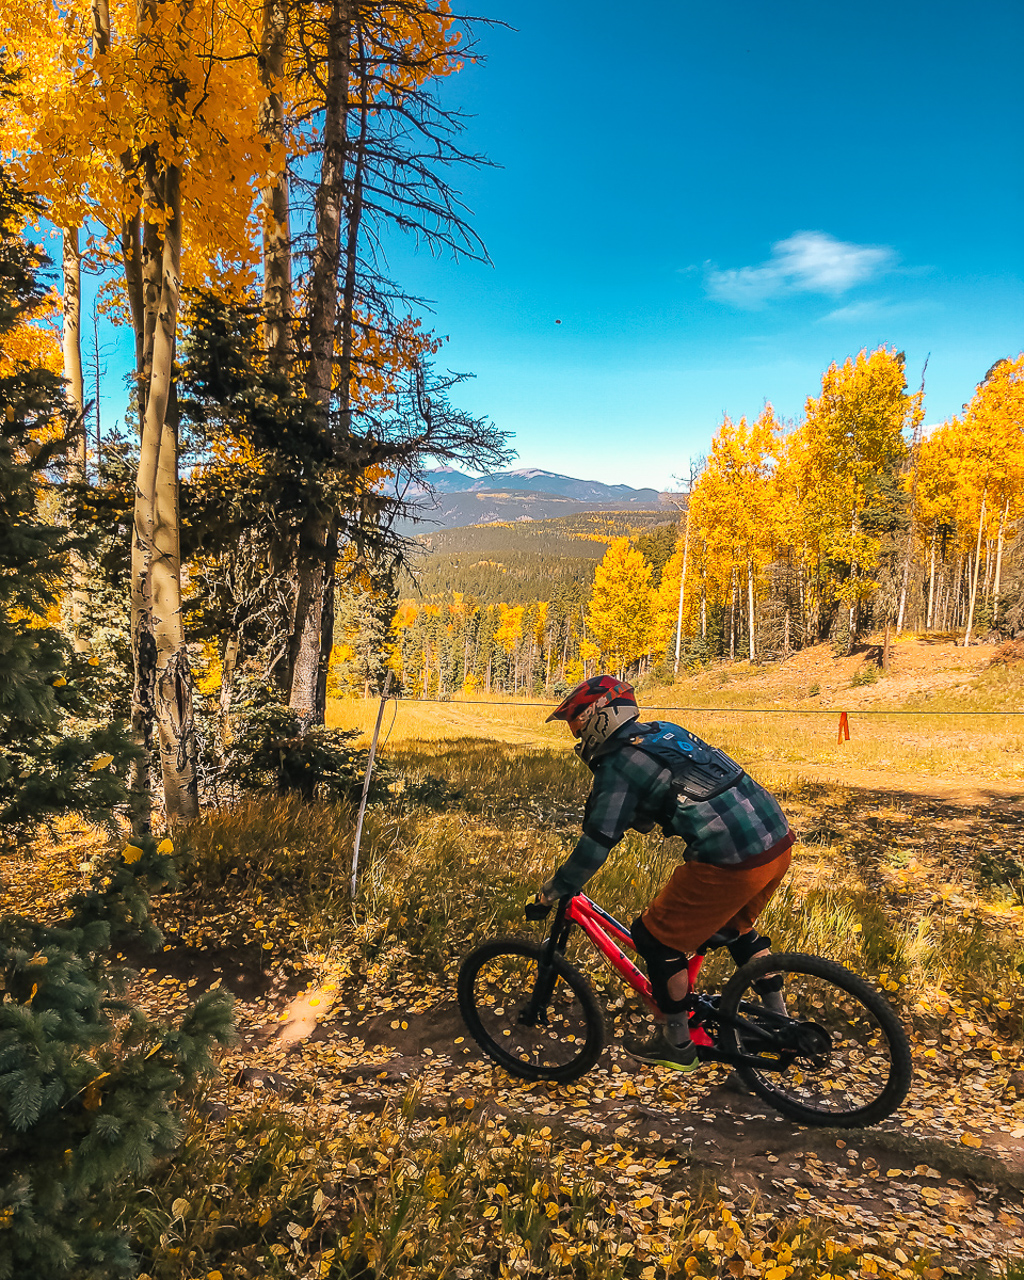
x,y
621,611
854,432
130,119
991,479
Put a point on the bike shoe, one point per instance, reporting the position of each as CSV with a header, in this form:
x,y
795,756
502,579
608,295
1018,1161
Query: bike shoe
x,y
660,1052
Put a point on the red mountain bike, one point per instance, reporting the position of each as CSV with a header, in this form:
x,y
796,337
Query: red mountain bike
x,y
841,1056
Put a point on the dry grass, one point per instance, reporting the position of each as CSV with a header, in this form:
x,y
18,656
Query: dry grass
x,y
763,717
923,897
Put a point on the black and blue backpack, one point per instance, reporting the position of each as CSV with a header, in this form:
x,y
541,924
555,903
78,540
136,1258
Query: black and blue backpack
x,y
699,770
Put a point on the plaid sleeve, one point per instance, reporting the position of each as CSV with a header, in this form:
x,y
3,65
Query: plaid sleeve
x,y
620,784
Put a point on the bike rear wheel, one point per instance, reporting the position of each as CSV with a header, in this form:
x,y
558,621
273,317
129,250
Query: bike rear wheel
x,y
843,1055
561,1037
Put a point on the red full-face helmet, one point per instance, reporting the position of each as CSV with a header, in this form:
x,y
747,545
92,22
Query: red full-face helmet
x,y
596,709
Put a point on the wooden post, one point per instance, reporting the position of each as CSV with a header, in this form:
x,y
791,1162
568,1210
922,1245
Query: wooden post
x,y
366,783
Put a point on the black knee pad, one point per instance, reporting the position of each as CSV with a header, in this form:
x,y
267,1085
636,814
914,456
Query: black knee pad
x,y
662,964
746,946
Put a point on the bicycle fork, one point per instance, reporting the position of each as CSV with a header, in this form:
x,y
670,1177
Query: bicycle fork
x,y
536,1010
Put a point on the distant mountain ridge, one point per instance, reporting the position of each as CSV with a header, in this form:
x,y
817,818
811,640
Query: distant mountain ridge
x,y
535,479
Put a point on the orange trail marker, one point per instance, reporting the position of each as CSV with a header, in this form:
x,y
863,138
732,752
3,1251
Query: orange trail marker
x,y
844,728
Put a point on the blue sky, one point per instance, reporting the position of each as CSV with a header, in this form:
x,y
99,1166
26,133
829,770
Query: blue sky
x,y
718,200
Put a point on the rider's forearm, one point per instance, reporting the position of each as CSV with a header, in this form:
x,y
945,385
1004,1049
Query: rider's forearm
x,y
587,858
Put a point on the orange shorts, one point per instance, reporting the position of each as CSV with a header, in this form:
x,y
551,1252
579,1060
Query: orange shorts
x,y
699,899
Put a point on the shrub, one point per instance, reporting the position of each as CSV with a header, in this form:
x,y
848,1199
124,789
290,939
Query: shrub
x,y
1008,653
864,675
271,751
86,1093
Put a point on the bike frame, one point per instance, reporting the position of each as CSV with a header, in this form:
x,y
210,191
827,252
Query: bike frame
x,y
609,936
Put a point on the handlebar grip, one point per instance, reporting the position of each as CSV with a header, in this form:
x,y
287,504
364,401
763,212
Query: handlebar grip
x,y
537,910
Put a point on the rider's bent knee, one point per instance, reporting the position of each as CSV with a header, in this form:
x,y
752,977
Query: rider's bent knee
x,y
662,965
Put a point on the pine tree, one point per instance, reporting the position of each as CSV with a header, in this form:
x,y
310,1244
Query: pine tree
x,y
85,1093
55,754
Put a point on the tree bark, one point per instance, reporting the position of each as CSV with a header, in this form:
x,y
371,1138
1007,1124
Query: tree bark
x,y
750,604
163,687
682,588
999,563
732,615
313,551
173,702
930,612
277,257
977,566
227,684
74,378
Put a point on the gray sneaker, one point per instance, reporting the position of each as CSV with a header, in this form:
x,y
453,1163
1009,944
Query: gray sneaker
x,y
660,1052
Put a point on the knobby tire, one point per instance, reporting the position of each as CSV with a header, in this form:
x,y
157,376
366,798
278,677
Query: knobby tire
x,y
774,1087
530,953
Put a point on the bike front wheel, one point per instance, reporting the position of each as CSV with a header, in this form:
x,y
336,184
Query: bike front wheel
x,y
842,1055
538,1030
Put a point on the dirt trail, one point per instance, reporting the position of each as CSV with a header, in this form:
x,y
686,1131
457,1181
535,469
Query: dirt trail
x,y
911,1179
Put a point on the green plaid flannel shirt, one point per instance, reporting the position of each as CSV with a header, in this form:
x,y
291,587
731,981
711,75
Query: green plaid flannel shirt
x,y
632,790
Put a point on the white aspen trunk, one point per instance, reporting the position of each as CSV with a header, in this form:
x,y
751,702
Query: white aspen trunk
x,y
682,588
163,691
73,376
73,336
750,604
732,615
803,603
930,613
977,566
999,562
173,702
955,596
903,597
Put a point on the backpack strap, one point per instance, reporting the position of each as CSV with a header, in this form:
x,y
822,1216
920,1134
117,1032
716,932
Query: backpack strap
x,y
699,771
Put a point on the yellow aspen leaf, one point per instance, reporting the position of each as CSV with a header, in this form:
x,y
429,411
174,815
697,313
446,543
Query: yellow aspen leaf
x,y
165,847
131,853
970,1140
102,763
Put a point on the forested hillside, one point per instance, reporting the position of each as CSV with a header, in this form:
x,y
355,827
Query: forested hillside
x,y
853,521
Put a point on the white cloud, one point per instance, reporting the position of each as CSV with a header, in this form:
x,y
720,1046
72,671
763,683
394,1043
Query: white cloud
x,y
879,310
806,262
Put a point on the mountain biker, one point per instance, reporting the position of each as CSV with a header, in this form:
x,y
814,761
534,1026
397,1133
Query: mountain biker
x,y
737,847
